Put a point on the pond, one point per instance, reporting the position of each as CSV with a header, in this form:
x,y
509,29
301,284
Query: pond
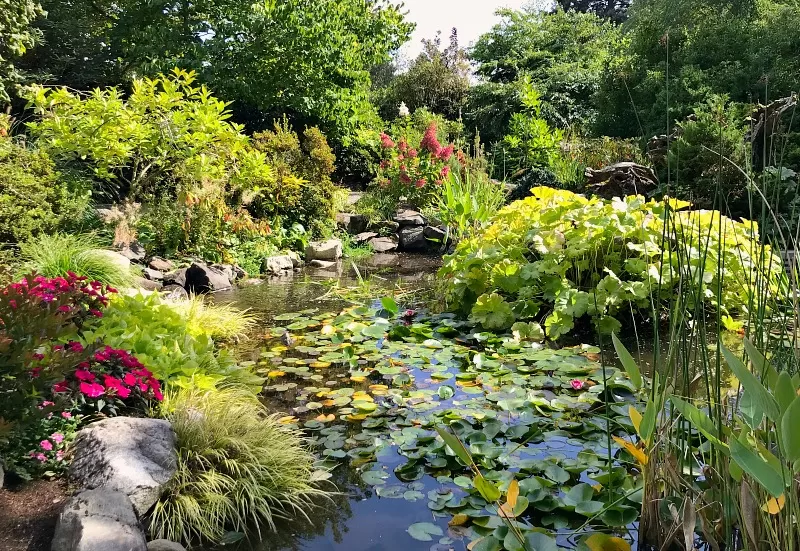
x,y
370,385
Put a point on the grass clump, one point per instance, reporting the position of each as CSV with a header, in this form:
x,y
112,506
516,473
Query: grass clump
x,y
219,321
238,468
55,255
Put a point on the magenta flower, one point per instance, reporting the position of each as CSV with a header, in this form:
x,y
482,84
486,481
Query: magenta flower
x,y
92,390
57,437
41,457
63,386
576,384
429,141
46,445
445,171
64,308
75,346
84,375
446,153
66,415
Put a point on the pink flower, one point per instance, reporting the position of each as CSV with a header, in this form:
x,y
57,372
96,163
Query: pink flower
x,y
429,141
404,177
57,437
446,153
66,415
13,304
60,455
38,356
111,289
420,182
64,308
576,384
96,313
445,171
40,457
412,153
63,386
48,403
84,375
403,145
129,379
46,445
35,372
384,164
75,346
386,141
92,390
123,392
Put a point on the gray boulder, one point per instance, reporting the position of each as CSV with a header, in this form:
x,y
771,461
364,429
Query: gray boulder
x,y
408,217
160,264
152,275
434,234
412,238
277,265
297,262
330,249
323,264
135,456
147,284
134,252
352,223
174,292
178,277
385,226
98,520
383,244
363,237
164,545
202,278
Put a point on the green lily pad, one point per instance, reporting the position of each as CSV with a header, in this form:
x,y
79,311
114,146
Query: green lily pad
x,y
424,531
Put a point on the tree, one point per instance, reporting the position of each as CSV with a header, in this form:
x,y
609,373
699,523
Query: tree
x,y
438,80
16,36
299,56
615,10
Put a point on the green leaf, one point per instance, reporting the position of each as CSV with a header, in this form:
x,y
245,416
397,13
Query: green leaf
x,y
784,392
700,421
446,392
489,543
536,541
424,531
790,430
627,362
751,384
488,490
757,467
620,516
455,444
390,305
578,494
493,312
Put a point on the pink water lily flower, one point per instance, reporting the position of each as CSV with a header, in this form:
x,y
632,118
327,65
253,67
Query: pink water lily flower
x,y
576,384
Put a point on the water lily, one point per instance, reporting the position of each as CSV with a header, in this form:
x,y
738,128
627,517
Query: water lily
x,y
576,384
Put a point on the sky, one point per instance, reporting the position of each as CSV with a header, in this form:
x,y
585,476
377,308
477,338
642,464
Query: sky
x,y
471,17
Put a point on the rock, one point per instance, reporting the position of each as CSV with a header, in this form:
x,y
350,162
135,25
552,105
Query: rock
x,y
118,259
98,520
174,292
620,180
201,278
352,223
164,545
363,237
135,456
277,265
2,476
250,282
413,239
383,244
408,217
330,249
160,264
226,270
178,277
382,260
385,227
134,252
324,264
152,275
147,284
434,234
297,262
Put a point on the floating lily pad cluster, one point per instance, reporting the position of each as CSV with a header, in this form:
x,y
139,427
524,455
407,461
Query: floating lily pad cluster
x,y
370,388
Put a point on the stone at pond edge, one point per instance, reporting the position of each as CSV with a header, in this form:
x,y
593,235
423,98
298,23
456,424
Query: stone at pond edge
x,y
178,277
383,244
409,217
386,226
435,234
98,520
135,456
174,292
160,264
412,239
147,284
324,264
352,223
134,252
277,265
164,545
330,249
364,236
152,275
201,278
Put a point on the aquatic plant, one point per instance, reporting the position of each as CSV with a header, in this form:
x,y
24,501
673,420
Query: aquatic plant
x,y
466,201
59,254
239,468
558,256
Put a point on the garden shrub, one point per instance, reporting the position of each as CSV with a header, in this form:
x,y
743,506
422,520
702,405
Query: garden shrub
x,y
59,254
238,467
219,321
304,192
159,337
530,179
33,197
557,257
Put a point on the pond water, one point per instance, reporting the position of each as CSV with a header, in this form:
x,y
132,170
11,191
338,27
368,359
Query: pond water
x,y
370,388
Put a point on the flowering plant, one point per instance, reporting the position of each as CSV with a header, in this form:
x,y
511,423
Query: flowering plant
x,y
412,172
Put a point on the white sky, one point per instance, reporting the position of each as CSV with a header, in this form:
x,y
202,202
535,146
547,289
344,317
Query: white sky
x,y
471,17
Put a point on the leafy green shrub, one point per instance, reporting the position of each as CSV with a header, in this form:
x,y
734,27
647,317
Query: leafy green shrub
x,y
33,197
58,254
466,201
304,192
159,337
530,179
238,468
557,257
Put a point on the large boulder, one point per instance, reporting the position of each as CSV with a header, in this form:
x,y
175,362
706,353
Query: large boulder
x,y
133,251
135,456
118,259
412,239
384,227
164,545
277,265
152,275
620,180
352,223
147,284
160,264
330,249
365,236
202,278
383,244
178,277
435,234
98,520
408,217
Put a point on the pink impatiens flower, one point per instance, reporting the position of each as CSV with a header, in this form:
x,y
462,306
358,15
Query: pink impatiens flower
x,y
84,375
46,445
57,437
66,415
41,457
92,390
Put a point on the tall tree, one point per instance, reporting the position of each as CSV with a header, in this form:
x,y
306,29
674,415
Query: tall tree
x,y
311,57
615,10
16,36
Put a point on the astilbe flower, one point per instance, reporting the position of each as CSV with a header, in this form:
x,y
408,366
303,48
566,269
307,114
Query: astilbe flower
x,y
429,141
446,152
386,141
